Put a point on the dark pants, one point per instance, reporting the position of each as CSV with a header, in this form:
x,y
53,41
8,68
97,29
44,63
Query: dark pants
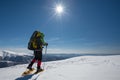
x,y
38,58
38,55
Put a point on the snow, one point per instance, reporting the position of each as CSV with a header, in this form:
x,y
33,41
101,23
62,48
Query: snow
x,y
9,58
77,68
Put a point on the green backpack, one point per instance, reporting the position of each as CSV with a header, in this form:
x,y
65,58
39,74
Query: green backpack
x,y
35,41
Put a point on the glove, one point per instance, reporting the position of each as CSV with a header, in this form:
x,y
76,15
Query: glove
x,y
46,44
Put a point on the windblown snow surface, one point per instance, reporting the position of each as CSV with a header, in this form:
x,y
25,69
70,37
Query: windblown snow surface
x,y
77,68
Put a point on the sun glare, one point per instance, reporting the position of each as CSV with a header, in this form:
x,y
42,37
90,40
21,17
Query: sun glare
x,y
59,9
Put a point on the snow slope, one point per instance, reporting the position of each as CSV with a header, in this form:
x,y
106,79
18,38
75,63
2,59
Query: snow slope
x,y
78,68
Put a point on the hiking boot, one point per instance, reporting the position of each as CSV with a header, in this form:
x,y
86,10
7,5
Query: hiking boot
x,y
39,69
30,68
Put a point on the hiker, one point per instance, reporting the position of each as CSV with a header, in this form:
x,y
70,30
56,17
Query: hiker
x,y
36,44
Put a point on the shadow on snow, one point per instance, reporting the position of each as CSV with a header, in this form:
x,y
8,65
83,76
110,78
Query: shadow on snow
x,y
25,77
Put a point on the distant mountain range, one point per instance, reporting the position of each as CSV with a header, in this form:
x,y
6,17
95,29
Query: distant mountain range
x,y
9,58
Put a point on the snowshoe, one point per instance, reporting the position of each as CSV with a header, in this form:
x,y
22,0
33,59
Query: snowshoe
x,y
28,71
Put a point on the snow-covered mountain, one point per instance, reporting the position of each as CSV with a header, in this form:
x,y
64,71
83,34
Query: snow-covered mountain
x,y
77,68
9,58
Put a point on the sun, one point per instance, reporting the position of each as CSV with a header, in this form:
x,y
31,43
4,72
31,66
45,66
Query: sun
x,y
59,9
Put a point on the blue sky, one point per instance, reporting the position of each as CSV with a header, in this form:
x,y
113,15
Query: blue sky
x,y
90,26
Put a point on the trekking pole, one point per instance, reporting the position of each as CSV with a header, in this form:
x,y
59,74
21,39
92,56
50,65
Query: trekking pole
x,y
44,57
